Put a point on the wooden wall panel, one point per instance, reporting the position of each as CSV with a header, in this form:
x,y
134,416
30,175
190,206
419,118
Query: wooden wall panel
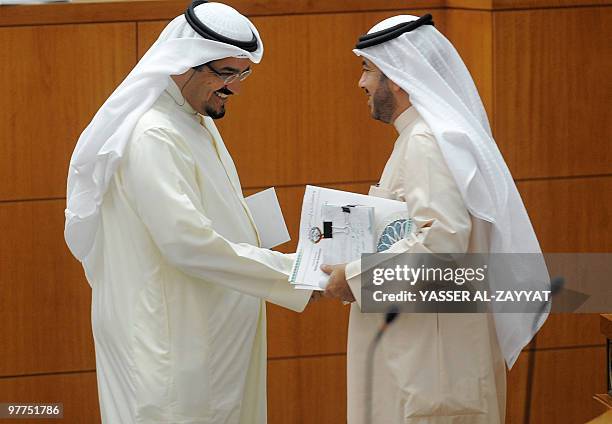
x,y
321,329
307,390
77,391
85,11
53,80
566,215
552,114
532,4
45,301
147,34
471,32
566,219
508,5
565,381
569,330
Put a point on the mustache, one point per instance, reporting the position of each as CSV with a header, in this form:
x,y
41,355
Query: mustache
x,y
225,90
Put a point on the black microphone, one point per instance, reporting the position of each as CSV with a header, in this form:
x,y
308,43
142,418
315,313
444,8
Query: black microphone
x,y
556,284
390,316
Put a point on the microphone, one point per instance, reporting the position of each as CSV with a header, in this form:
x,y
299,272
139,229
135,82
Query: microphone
x,y
556,284
390,316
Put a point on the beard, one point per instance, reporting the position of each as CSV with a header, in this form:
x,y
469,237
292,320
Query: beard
x,y
383,102
220,112
214,113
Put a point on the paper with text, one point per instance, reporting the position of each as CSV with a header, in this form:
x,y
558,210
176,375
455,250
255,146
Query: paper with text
x,y
312,250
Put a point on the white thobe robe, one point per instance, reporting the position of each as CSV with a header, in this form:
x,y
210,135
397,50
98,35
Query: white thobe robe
x,y
179,286
428,368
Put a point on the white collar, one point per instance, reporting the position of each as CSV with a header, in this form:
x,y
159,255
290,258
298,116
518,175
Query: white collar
x,y
405,118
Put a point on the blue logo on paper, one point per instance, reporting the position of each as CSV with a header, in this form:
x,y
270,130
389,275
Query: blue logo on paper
x,y
394,232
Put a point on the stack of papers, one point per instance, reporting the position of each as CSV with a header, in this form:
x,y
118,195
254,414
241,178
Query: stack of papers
x,y
337,227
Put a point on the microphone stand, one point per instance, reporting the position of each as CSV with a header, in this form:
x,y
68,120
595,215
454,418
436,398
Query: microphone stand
x,y
556,285
390,316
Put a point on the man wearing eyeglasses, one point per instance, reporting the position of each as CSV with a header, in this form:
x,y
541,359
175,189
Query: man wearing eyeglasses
x,y
156,215
207,87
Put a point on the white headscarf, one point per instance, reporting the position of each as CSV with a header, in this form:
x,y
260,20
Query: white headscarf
x,y
102,144
427,67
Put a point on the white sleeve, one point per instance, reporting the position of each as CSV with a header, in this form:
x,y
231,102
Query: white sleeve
x,y
160,176
434,203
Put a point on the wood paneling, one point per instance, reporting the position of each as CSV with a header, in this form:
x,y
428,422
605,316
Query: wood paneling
x,y
569,330
53,80
76,391
503,5
566,219
321,329
147,34
565,381
45,301
91,11
471,32
307,390
552,114
85,11
566,215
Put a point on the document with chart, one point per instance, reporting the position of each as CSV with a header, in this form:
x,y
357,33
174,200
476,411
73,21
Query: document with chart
x,y
337,227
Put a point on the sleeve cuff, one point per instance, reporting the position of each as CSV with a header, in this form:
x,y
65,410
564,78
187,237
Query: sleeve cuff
x,y
352,273
283,294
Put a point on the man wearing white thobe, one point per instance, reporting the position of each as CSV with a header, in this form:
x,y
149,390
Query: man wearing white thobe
x,y
428,368
179,282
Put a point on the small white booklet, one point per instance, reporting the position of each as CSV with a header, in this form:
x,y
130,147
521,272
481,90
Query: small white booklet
x,y
268,217
324,213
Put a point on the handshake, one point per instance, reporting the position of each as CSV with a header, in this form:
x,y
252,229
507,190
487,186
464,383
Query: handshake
x,y
337,287
336,229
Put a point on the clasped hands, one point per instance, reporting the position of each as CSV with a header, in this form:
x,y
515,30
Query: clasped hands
x,y
337,286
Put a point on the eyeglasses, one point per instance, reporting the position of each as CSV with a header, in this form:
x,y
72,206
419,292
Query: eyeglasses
x,y
227,77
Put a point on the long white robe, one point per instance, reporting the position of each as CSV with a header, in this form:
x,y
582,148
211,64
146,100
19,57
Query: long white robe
x,y
428,368
178,309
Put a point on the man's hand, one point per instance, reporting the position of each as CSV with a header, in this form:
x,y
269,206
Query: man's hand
x,y
337,287
315,296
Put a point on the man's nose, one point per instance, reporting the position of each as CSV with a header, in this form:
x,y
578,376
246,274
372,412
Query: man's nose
x,y
361,82
235,86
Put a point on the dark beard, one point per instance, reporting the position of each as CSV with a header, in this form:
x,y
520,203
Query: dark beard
x,y
383,102
218,114
214,114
